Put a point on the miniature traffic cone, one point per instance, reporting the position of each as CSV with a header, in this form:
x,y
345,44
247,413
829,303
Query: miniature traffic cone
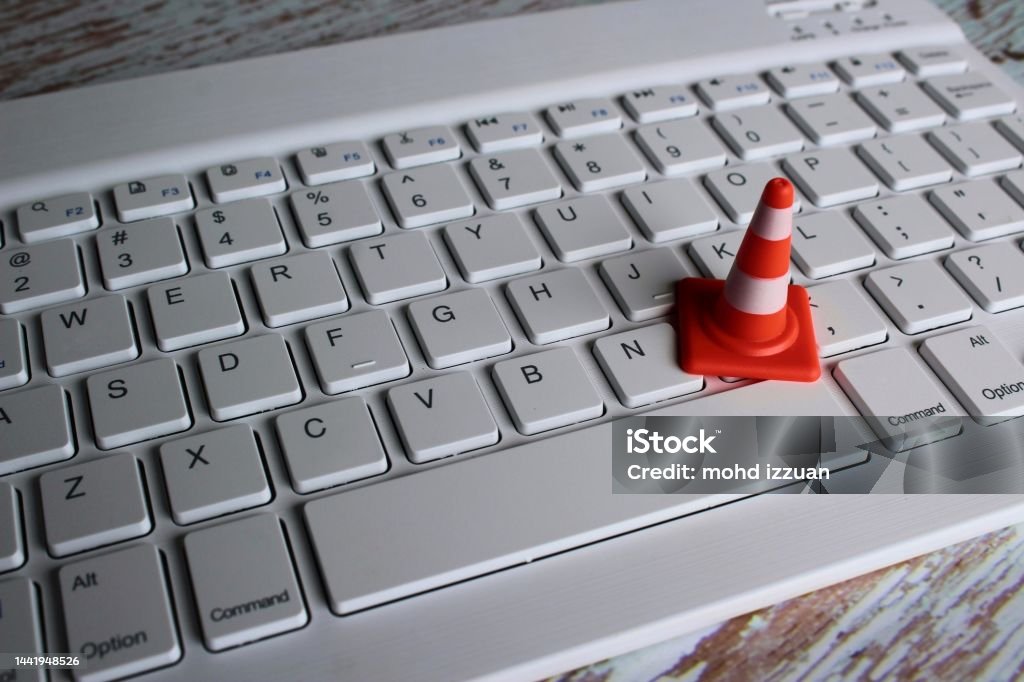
x,y
755,324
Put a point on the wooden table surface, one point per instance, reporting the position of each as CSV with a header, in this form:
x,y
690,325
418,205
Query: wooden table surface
x,y
956,614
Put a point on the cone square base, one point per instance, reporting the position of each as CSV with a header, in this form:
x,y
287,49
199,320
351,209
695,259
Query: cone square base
x,y
699,353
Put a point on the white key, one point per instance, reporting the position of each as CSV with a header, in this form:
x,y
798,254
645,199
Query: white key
x,y
442,416
335,213
88,335
55,217
12,544
420,146
733,91
235,566
356,351
898,399
194,310
843,319
662,103
677,147
21,628
832,119
642,365
240,232
826,244
803,80
918,296
1012,128
1014,184
35,428
298,288
546,390
758,132
245,179
557,305
501,132
969,96
399,266
153,197
248,376
117,614
426,195
212,474
513,179
993,275
831,176
492,247
141,253
136,403
979,210
975,148
738,189
334,162
901,108
581,228
457,328
669,210
906,162
584,117
714,255
330,444
600,162
869,69
978,369
39,276
904,226
643,284
925,62
13,361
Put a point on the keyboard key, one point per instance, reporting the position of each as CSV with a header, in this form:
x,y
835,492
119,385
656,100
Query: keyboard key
x,y
426,195
832,120
904,226
442,416
650,105
245,179
758,132
21,628
975,148
501,132
335,213
399,266
35,428
737,189
993,275
733,91
55,217
584,117
869,69
144,252
153,197
39,276
248,376
421,146
330,444
195,310
546,391
901,108
918,296
118,614
492,247
1013,183
298,288
96,333
356,351
334,162
714,255
457,328
136,403
925,62
826,244
515,178
843,319
969,96
831,176
13,362
604,232
979,210
643,284
677,147
642,365
669,210
12,545
1012,128
803,80
600,162
898,399
244,582
212,474
905,162
240,232
557,305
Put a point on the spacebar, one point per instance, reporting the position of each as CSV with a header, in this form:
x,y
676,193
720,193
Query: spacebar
x,y
440,526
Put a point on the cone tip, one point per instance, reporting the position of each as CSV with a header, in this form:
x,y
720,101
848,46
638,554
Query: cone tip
x,y
778,193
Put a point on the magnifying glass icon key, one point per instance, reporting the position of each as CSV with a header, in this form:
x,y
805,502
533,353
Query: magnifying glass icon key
x,y
40,206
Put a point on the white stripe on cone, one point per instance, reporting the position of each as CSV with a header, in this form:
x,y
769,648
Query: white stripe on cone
x,y
756,295
772,224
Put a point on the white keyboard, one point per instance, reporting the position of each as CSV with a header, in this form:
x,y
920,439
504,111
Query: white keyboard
x,y
355,372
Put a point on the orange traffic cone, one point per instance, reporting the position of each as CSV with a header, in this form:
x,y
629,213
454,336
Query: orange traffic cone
x,y
755,324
